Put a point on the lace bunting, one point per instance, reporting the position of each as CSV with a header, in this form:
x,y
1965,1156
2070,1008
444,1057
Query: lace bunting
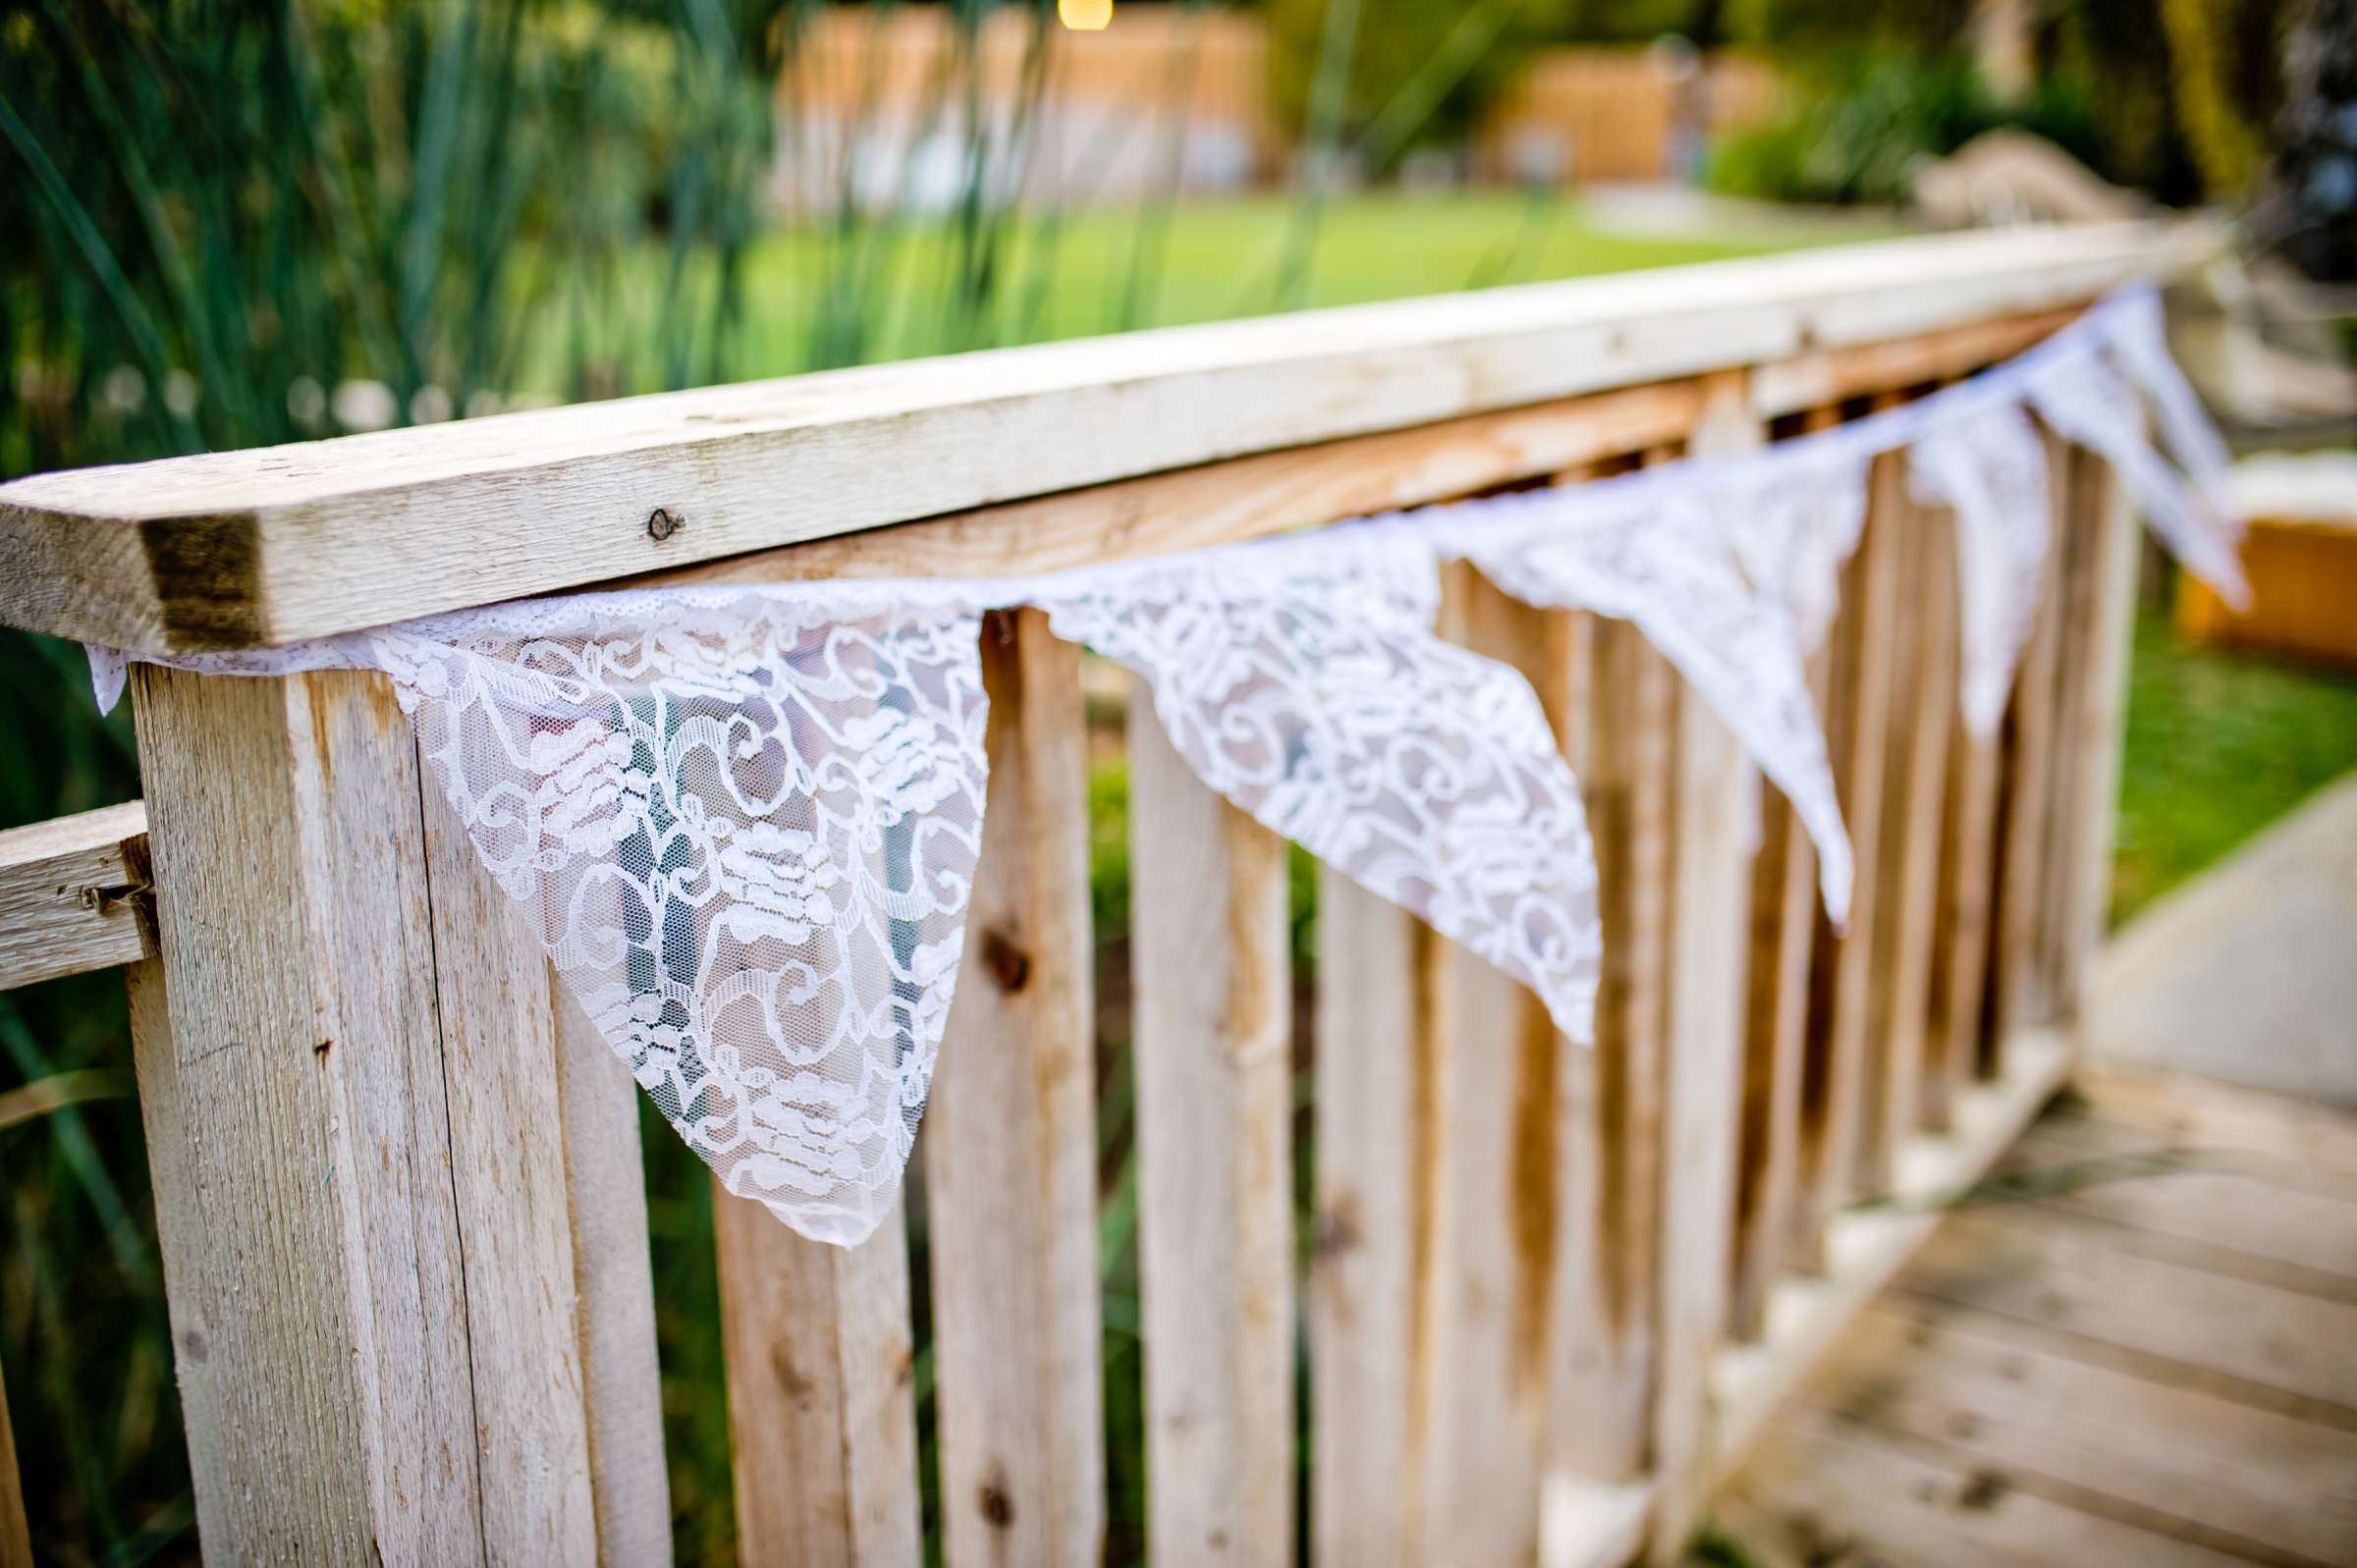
x,y
747,820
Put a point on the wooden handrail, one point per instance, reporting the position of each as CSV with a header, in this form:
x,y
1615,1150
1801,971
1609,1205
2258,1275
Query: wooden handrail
x,y
1553,1293
252,548
70,896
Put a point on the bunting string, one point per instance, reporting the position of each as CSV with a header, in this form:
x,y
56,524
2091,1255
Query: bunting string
x,y
746,821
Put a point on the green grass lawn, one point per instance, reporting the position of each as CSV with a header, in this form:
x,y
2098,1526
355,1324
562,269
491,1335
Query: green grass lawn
x,y
2218,745
810,292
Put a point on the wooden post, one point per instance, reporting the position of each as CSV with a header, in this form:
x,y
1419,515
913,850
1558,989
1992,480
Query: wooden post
x,y
1010,1143
355,1109
1215,1195
1716,789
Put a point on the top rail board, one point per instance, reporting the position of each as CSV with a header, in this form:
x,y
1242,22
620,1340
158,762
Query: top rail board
x,y
250,548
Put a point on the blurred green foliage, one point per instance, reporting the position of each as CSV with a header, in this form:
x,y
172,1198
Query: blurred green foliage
x,y
2218,745
1855,127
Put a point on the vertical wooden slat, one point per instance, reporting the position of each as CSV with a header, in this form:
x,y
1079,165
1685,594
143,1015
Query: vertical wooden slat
x,y
1010,1143
1841,965
16,1532
1370,1255
822,1423
499,1040
2076,504
2113,539
1215,1199
1784,931
1712,835
291,1085
1914,789
1604,1370
1961,924
615,1294
2021,884
1494,1151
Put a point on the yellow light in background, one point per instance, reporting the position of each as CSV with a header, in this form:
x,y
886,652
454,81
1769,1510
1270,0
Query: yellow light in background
x,y
1084,16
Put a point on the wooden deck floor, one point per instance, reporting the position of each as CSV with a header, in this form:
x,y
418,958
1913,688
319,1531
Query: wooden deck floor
x,y
2136,1346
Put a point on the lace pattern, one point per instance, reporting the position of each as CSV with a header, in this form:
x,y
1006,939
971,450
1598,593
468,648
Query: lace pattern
x,y
1664,555
1301,680
747,820
1991,472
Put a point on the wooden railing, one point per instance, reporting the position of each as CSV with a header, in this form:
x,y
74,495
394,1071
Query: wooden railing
x,y
1548,1296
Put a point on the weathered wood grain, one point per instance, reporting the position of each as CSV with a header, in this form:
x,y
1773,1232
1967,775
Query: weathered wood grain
x,y
2098,720
1866,1247
292,1085
242,548
1716,790
1777,1039
507,1169
1842,964
1825,377
822,1420
2016,998
1915,786
69,892
1010,1143
1603,1377
613,1292
1242,497
15,1534
1215,1192
1371,1252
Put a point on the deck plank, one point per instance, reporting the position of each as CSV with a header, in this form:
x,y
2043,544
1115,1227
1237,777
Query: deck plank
x,y
1830,1497
2181,1460
2141,1348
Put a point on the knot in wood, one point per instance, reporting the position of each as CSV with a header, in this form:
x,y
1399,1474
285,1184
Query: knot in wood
x,y
663,523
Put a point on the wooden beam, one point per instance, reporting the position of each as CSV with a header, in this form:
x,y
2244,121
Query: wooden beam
x,y
238,548
1244,498
1213,1038
69,894
1825,377
1010,1143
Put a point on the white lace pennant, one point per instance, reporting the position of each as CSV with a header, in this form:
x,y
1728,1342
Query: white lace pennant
x,y
1794,514
1660,553
1991,471
2088,399
747,820
1301,679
